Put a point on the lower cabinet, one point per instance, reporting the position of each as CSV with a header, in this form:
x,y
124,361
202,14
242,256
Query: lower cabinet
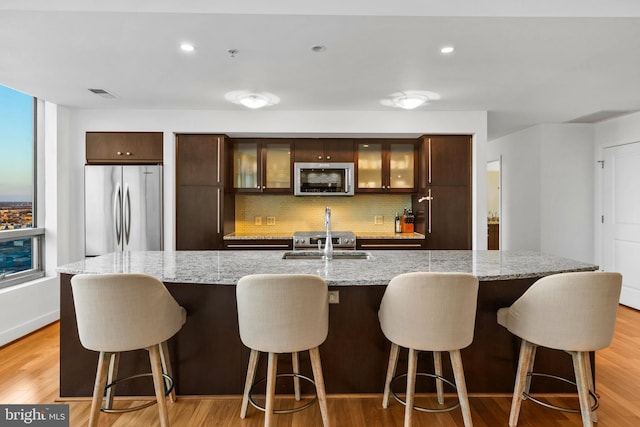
x,y
259,244
389,244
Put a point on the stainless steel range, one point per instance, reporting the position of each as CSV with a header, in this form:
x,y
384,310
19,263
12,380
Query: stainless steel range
x,y
345,240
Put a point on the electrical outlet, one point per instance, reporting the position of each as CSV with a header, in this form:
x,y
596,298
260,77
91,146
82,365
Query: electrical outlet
x,y
257,220
378,219
271,220
334,297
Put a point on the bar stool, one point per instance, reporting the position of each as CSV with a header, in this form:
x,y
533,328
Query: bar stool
x,y
574,312
123,312
282,313
427,311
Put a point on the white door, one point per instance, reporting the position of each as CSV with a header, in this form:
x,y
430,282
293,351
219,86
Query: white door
x,y
621,238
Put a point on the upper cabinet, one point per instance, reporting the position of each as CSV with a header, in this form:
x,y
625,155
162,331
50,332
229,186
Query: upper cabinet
x,y
445,160
124,147
386,166
262,165
323,150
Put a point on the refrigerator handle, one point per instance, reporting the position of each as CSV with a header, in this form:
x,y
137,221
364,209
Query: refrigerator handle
x,y
126,213
117,207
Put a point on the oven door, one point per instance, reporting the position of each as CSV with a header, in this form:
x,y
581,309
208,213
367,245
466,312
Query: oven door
x,y
323,179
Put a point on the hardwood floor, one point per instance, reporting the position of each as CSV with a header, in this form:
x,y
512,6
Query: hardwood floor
x,y
29,375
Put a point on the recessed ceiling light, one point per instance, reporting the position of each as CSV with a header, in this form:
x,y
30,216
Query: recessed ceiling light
x,y
187,47
319,48
447,49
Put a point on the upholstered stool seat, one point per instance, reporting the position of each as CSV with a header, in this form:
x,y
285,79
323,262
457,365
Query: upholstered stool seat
x,y
280,313
429,312
573,312
124,312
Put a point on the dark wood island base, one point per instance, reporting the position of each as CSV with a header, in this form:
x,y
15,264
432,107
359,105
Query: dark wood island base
x,y
209,358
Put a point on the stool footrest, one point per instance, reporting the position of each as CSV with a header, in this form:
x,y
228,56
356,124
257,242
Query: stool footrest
x,y
526,395
422,408
284,411
144,405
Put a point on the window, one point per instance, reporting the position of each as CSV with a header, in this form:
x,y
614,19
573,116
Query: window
x,y
21,240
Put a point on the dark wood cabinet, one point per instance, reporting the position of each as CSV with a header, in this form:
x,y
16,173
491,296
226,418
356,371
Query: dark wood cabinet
x,y
443,203
259,244
386,166
323,150
124,147
204,204
493,236
262,165
395,244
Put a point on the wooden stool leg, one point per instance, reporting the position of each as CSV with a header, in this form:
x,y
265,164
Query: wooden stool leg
x,y
318,378
251,374
272,366
412,368
167,369
437,366
532,358
461,385
524,365
580,369
158,383
295,361
592,386
114,361
391,371
98,388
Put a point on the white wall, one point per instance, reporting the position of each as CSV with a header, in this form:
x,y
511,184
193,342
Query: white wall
x,y
29,306
547,189
274,123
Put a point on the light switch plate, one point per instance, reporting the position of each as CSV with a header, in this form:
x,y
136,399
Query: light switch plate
x,y
257,220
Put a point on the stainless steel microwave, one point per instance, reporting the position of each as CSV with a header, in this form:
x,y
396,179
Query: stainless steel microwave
x,y
323,179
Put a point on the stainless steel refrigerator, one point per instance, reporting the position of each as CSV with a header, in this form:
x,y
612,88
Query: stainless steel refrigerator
x,y
123,208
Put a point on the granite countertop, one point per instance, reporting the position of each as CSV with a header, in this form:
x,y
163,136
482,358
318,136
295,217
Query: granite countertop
x,y
359,235
226,267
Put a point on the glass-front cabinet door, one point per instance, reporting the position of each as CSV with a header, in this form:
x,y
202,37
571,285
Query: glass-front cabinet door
x,y
277,160
369,166
262,166
386,166
401,166
245,166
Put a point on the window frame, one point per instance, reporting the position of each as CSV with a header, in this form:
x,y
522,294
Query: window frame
x,y
34,232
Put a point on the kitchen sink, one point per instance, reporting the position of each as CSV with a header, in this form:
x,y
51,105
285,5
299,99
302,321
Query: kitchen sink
x,y
320,255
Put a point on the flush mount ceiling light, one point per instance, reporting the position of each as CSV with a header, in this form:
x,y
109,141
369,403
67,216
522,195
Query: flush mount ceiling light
x,y
252,100
409,99
187,47
447,49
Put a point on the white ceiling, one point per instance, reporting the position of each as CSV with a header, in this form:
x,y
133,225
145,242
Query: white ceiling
x,y
538,61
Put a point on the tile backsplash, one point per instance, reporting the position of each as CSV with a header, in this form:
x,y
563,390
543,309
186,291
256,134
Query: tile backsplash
x,y
288,213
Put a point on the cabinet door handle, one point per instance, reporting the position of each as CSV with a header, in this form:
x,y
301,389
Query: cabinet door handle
x,y
328,157
128,153
319,157
219,160
429,161
429,199
219,209
119,153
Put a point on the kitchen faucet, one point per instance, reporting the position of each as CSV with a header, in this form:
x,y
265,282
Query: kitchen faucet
x,y
328,244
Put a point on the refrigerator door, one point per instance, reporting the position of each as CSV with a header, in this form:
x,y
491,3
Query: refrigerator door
x,y
102,209
142,208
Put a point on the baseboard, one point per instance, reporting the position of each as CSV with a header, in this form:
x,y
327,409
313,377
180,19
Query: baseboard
x,y
26,328
630,297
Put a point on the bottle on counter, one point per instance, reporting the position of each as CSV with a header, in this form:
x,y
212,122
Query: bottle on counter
x,y
408,221
398,226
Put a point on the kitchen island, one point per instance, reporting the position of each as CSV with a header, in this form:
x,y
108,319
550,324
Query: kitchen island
x,y
209,358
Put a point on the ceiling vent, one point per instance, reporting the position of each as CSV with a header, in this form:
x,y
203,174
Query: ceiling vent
x,y
103,93
600,116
